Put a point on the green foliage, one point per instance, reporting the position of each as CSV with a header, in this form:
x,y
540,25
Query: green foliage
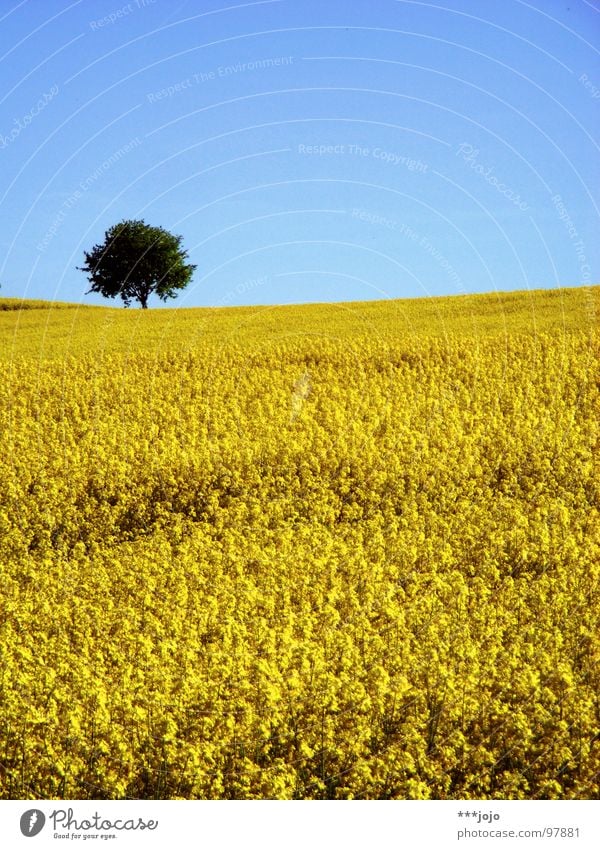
x,y
137,260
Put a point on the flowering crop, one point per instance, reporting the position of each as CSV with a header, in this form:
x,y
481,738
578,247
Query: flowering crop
x,y
309,552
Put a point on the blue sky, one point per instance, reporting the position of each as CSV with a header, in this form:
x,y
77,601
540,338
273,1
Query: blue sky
x,y
306,151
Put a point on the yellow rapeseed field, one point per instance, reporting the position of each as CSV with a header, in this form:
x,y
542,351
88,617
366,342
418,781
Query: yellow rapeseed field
x,y
332,551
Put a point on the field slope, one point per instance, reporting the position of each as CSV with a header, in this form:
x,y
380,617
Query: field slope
x,y
327,551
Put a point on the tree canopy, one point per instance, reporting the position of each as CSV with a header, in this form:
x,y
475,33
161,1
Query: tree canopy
x,y
137,260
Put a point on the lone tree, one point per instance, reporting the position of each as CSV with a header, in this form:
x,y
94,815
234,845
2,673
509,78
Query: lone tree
x,y
135,261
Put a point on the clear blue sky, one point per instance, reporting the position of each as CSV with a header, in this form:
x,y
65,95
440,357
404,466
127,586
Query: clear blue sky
x,y
306,150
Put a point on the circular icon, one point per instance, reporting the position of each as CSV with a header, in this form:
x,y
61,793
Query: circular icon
x,y
32,822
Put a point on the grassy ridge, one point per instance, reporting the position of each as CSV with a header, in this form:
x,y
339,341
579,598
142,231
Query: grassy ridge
x,y
49,330
28,304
